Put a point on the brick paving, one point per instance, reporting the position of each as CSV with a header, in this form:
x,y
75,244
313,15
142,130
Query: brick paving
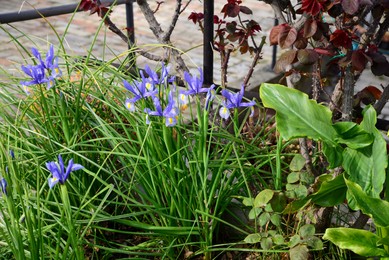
x,y
81,33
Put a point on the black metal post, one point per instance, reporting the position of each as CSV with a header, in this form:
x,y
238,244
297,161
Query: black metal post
x,y
274,56
130,21
45,12
208,42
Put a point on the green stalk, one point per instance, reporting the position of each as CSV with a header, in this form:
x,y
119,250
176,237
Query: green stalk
x,y
70,223
278,177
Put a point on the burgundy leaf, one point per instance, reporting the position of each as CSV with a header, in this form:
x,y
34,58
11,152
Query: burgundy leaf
x,y
286,59
301,42
324,51
350,6
307,56
245,10
359,60
274,33
310,28
312,7
340,38
287,37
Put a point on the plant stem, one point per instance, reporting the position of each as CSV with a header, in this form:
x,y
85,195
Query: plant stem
x,y
70,223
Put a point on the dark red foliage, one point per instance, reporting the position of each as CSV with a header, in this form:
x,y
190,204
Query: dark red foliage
x,y
196,17
217,20
232,8
94,7
340,38
313,7
252,27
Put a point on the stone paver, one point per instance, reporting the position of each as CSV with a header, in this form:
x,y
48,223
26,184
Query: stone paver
x,y
83,28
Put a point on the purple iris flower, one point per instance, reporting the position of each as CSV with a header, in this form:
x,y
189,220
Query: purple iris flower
x,y
170,113
195,84
11,152
210,96
58,171
3,185
233,100
153,75
38,72
142,89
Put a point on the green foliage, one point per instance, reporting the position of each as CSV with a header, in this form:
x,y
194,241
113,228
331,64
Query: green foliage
x,y
361,242
363,158
360,149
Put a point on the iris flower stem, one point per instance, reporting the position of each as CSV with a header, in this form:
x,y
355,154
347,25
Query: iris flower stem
x,y
236,122
70,223
203,154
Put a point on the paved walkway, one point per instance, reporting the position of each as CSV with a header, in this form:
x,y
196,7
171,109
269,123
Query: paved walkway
x,y
81,33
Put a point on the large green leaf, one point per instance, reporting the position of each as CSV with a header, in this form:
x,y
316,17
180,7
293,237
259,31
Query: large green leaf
x,y
331,192
361,242
376,208
364,166
353,135
297,115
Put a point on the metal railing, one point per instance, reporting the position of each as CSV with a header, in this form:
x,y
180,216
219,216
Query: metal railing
x,y
71,8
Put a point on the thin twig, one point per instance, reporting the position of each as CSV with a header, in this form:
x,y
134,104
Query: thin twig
x,y
166,36
257,56
112,27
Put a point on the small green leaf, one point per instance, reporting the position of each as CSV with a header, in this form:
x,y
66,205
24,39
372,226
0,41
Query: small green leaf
x,y
306,178
266,243
307,230
293,177
248,201
263,198
268,208
299,252
263,219
253,238
290,194
278,202
297,163
294,240
254,213
276,220
314,243
301,191
290,186
361,242
278,239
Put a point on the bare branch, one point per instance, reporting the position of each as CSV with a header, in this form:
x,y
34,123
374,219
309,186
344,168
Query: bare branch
x,y
348,94
255,61
185,6
166,36
382,101
278,12
155,27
